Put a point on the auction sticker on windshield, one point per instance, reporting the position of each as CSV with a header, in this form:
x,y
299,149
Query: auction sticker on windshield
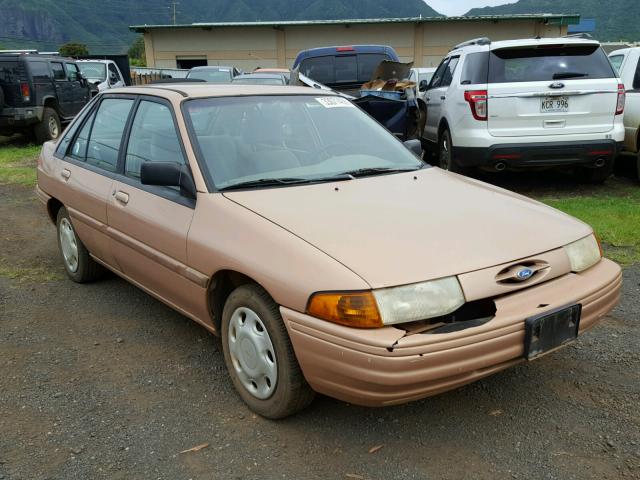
x,y
334,102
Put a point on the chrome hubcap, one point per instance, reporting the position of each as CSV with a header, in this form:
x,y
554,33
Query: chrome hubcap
x,y
252,353
53,128
68,245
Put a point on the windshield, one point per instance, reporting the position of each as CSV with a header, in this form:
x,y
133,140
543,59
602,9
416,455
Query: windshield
x,y
222,75
548,62
306,138
93,70
251,80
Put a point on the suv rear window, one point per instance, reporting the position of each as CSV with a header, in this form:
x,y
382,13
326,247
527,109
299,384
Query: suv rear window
x,y
548,62
332,69
9,72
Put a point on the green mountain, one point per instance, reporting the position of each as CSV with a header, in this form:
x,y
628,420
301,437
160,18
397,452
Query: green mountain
x,y
103,25
615,20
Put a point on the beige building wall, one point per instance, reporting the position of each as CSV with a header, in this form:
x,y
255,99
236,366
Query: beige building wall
x,y
248,47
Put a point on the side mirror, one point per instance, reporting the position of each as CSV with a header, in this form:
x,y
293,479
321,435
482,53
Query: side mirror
x,y
414,146
424,84
168,174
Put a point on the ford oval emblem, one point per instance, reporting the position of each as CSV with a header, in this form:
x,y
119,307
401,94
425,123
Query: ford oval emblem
x,y
523,274
557,85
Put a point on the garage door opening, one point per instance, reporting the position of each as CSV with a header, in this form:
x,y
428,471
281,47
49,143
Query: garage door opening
x,y
191,62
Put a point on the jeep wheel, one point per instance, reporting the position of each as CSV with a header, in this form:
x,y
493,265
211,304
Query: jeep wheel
x,y
595,176
49,127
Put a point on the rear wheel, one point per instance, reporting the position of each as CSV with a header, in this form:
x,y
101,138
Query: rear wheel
x,y
77,262
638,164
259,356
446,159
595,175
49,128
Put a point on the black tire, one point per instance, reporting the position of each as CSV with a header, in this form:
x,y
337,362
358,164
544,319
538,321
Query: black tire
x,y
87,269
638,164
49,128
292,392
595,176
446,159
1,98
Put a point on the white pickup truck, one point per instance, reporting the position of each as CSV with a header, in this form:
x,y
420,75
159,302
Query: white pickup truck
x,y
101,74
627,62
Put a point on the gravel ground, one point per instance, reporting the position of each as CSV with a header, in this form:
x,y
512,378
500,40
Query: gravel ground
x,y
102,381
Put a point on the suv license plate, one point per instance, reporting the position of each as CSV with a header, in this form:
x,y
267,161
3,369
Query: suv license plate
x,y
546,332
554,104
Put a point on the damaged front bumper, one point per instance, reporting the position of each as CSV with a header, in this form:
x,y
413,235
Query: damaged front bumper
x,y
388,366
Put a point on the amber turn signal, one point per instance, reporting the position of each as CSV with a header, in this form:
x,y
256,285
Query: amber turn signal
x,y
353,309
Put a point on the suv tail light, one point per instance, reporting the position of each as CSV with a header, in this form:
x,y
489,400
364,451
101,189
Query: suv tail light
x,y
478,102
26,92
621,99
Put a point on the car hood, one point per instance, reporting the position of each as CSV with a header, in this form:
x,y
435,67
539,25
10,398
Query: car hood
x,y
409,227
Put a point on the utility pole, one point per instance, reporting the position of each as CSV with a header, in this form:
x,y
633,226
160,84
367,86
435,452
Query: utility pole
x,y
174,4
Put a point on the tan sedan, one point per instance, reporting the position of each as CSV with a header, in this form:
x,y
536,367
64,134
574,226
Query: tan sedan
x,y
327,256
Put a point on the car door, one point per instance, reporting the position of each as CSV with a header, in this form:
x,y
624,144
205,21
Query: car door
x,y
78,92
63,89
149,224
88,169
433,101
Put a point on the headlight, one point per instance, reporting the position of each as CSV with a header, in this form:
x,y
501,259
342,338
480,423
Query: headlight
x,y
584,253
389,306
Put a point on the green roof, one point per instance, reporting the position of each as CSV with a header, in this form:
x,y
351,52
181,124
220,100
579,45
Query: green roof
x,y
561,19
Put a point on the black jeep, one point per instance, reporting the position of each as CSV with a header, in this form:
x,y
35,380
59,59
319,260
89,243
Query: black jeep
x,y
39,93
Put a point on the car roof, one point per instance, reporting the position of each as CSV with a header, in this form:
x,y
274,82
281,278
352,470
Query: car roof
x,y
525,42
205,90
212,67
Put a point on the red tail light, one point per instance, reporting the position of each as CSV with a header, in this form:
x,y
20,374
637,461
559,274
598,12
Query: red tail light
x,y
26,92
478,102
345,49
621,99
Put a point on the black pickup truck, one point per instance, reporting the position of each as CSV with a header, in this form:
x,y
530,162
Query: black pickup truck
x,y
39,93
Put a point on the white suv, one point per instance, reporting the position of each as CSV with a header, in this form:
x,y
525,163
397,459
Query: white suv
x,y
526,103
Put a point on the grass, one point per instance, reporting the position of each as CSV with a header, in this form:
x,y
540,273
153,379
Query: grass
x,y
614,214
18,164
28,274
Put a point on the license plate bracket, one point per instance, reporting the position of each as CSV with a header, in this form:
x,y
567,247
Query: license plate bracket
x,y
550,330
554,104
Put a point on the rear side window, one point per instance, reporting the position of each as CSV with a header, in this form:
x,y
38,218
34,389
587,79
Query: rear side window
x,y
79,147
475,68
40,72
153,138
106,134
616,61
548,62
58,71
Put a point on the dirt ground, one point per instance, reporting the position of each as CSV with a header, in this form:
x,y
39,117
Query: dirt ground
x,y
102,381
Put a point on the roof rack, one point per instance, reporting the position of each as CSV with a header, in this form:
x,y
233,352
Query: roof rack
x,y
582,35
475,41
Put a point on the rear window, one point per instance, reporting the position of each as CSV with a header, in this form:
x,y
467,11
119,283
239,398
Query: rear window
x,y
334,69
10,72
548,62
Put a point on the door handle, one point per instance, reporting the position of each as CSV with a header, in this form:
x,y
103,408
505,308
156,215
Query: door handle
x,y
443,97
65,173
428,98
122,197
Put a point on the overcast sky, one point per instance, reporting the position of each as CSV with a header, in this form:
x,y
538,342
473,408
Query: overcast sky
x,y
458,7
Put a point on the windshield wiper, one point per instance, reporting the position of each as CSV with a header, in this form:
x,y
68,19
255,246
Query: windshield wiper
x,y
559,75
266,182
365,172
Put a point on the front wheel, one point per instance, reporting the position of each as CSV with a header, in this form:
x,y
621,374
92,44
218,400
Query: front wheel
x,y
78,263
259,355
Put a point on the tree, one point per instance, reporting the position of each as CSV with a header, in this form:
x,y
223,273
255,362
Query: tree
x,y
136,53
73,49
